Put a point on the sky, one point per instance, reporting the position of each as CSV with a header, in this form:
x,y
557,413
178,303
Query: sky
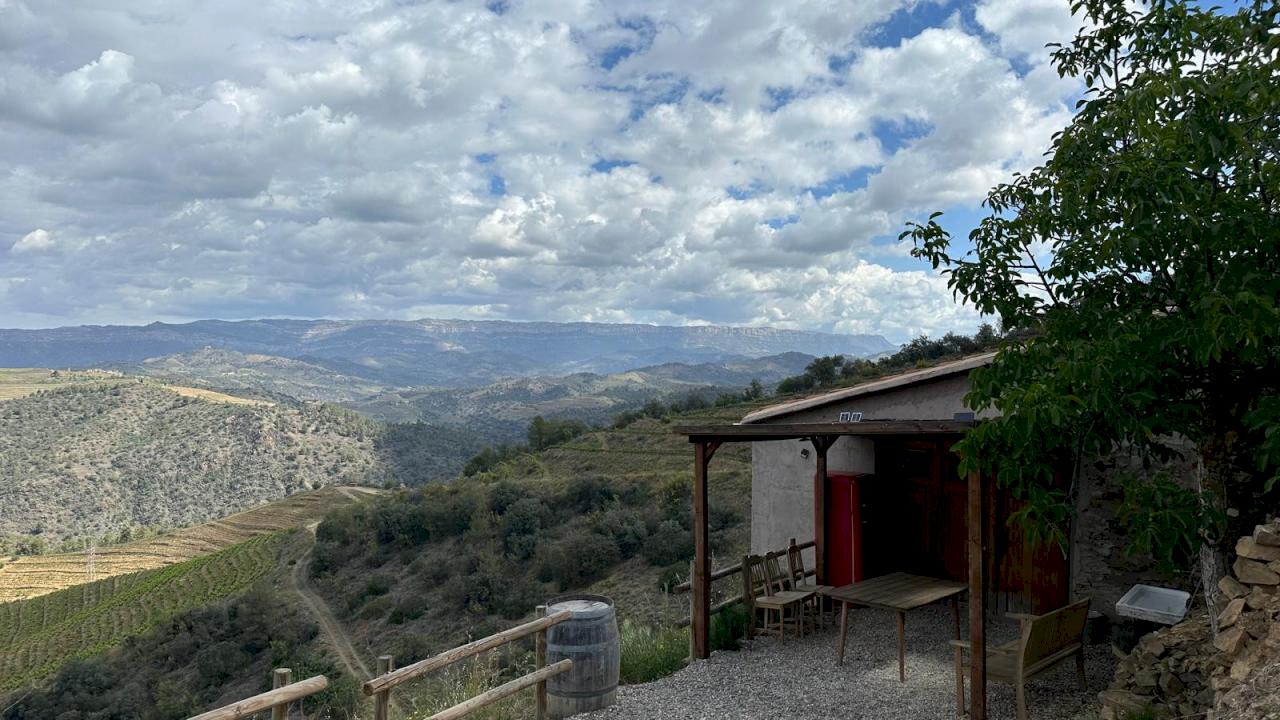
x,y
740,163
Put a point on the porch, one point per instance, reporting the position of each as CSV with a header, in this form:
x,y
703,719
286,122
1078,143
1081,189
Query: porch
x,y
798,678
937,524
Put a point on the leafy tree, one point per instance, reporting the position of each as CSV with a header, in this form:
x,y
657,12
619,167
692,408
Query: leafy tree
x,y
1143,257
545,433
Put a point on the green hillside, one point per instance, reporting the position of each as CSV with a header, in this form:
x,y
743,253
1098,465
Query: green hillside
x,y
418,571
39,635
237,371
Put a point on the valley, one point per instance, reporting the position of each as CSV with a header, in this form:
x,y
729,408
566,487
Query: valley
x,y
136,488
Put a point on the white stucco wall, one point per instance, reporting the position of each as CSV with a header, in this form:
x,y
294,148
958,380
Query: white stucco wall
x,y
782,478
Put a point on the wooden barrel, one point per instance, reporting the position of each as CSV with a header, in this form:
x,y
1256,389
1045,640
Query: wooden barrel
x,y
590,640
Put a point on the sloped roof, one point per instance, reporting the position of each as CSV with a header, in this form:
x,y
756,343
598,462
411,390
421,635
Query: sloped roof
x,y
880,385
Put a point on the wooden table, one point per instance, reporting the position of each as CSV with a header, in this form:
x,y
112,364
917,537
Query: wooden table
x,y
899,592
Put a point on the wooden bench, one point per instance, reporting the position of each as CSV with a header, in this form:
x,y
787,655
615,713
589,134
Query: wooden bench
x,y
1044,641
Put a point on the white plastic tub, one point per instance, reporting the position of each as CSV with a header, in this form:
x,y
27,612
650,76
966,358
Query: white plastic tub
x,y
1162,605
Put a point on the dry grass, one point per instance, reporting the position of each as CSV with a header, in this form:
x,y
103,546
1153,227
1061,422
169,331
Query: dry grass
x,y
215,396
20,382
28,577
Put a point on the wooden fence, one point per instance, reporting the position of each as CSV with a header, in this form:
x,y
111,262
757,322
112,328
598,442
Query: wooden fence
x,y
380,687
388,678
277,700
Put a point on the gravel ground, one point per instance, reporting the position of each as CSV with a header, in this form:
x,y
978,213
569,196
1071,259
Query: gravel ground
x,y
798,678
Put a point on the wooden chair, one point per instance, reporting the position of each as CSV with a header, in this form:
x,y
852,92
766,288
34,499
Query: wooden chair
x,y
770,594
1044,641
800,581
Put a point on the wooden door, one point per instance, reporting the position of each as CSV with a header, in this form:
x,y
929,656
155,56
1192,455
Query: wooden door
x,y
842,491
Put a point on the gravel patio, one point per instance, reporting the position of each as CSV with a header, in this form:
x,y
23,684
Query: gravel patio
x,y
798,678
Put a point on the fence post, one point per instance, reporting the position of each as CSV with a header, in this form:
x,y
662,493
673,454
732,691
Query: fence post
x,y
692,652
540,661
749,598
382,701
279,678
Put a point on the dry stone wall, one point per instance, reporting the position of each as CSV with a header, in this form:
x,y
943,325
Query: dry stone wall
x,y
1186,672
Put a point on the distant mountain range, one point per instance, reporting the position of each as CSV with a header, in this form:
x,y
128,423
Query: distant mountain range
x,y
443,353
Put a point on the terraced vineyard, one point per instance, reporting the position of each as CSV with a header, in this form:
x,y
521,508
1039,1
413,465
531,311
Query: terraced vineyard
x,y
28,577
38,636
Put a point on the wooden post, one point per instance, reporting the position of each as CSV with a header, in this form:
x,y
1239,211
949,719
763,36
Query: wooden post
x,y
977,599
540,661
748,597
279,678
382,701
693,651
820,446
700,618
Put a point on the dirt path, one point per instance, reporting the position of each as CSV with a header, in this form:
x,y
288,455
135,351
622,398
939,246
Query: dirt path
x,y
333,632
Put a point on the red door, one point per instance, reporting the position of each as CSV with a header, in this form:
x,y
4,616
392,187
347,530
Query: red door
x,y
844,530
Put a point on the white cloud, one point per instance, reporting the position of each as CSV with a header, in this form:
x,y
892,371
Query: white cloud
x,y
38,240
390,159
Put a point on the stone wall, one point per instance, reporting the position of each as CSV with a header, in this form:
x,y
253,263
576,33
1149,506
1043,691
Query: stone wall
x,y
1185,671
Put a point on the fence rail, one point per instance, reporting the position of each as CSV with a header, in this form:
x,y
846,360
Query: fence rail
x,y
733,569
277,700
388,678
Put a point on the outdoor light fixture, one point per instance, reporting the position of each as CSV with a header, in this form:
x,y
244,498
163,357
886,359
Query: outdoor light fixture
x,y
804,453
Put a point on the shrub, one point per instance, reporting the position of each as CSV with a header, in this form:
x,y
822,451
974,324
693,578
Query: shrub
x,y
589,493
649,653
521,526
669,544
625,527
579,559
375,608
410,608
727,627
503,495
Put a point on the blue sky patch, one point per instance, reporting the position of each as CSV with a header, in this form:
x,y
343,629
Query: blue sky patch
x,y
746,192
604,165
913,20
845,182
898,133
777,223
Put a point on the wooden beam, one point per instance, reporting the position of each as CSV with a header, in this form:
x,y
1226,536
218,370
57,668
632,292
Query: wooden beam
x,y
791,431
977,598
820,445
267,700
503,691
390,679
700,617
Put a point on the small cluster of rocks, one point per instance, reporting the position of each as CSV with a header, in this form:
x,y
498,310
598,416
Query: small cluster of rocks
x,y
1187,671
1167,672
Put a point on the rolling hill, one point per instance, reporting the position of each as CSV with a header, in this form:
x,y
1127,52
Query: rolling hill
x,y
87,459
503,409
454,353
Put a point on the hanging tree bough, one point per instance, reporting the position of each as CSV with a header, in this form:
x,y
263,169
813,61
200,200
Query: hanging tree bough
x,y
1138,270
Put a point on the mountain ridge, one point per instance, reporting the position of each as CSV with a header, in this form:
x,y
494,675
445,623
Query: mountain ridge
x,y
428,351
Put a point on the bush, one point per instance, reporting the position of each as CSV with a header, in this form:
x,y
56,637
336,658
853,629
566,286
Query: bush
x,y
503,495
669,544
579,559
626,527
590,493
410,608
521,526
727,627
649,653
